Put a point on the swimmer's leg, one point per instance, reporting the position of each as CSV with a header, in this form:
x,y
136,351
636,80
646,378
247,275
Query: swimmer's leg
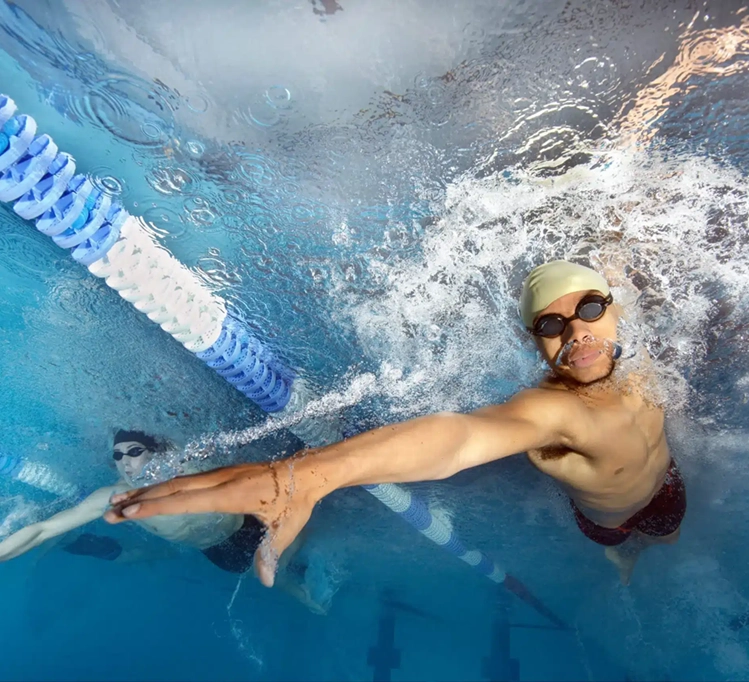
x,y
96,546
108,549
625,556
670,539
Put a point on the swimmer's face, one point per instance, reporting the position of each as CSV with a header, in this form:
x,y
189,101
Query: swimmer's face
x,y
130,457
581,353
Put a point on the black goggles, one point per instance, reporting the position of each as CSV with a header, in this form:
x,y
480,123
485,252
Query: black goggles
x,y
117,455
590,308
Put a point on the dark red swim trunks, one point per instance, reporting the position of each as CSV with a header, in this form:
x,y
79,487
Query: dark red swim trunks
x,y
661,517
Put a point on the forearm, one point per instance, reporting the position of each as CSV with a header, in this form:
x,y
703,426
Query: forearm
x,y
32,536
421,449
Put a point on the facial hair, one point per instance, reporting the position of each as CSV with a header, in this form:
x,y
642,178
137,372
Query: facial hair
x,y
608,348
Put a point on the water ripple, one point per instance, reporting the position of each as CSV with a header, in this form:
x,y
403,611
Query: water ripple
x,y
256,170
170,180
130,109
25,253
169,221
200,212
261,114
278,97
109,184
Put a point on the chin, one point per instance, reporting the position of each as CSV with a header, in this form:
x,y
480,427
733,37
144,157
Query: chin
x,y
588,375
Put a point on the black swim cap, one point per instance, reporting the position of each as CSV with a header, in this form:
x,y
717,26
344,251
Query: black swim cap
x,y
150,442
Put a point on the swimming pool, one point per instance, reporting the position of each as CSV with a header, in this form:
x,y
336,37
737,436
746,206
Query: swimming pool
x,y
367,185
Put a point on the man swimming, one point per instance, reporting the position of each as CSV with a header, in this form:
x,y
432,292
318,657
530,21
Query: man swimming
x,y
586,426
227,540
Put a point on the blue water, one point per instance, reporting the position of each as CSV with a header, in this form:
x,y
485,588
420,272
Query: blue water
x,y
367,183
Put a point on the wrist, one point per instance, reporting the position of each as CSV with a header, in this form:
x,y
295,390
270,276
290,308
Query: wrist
x,y
315,474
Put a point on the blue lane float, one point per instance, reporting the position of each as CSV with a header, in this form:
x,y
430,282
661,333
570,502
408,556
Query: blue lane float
x,y
101,235
41,183
414,511
37,476
9,466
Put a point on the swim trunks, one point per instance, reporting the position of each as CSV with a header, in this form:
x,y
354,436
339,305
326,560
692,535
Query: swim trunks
x,y
237,552
661,517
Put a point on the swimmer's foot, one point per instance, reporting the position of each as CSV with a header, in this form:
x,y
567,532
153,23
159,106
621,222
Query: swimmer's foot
x,y
624,560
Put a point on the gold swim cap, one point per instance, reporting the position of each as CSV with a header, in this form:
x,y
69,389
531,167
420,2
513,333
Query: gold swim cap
x,y
551,281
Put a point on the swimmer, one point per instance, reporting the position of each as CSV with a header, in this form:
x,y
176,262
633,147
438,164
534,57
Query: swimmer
x,y
586,425
227,540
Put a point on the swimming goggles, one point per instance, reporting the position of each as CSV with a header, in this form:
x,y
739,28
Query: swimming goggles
x,y
117,455
590,308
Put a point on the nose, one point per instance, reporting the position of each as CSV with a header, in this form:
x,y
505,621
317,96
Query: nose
x,y
577,330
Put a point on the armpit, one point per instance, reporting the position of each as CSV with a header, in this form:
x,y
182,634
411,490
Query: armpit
x,y
553,452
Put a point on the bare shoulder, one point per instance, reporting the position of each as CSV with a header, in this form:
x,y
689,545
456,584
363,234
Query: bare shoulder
x,y
550,416
544,402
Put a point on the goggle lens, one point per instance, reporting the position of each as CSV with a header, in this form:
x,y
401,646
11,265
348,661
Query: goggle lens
x,y
117,455
590,309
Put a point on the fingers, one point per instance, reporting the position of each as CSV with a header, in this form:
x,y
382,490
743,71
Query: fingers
x,y
265,565
189,502
177,485
243,489
276,542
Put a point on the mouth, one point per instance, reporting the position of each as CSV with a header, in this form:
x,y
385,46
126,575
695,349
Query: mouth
x,y
584,358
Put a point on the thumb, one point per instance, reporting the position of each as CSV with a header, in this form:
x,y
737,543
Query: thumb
x,y
274,545
266,563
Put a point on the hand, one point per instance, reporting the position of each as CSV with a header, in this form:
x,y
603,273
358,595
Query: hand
x,y
21,541
270,491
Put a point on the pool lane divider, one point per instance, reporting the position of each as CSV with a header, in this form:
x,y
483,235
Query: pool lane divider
x,y
41,183
38,476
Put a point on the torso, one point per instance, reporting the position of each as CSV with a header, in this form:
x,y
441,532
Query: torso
x,y
621,459
196,530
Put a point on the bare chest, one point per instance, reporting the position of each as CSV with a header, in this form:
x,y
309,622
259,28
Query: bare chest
x,y
620,450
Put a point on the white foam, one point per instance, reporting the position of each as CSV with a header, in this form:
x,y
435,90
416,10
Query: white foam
x,y
659,228
17,513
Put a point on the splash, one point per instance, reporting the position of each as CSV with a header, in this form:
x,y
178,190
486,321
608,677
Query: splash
x,y
236,627
667,232
16,513
356,388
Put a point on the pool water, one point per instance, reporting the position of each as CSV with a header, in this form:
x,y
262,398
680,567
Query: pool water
x,y
367,183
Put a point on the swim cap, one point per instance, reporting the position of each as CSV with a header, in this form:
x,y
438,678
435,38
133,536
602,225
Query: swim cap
x,y
123,436
551,281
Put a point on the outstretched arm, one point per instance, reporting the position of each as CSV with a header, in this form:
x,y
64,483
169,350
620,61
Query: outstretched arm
x,y
31,536
441,445
282,493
